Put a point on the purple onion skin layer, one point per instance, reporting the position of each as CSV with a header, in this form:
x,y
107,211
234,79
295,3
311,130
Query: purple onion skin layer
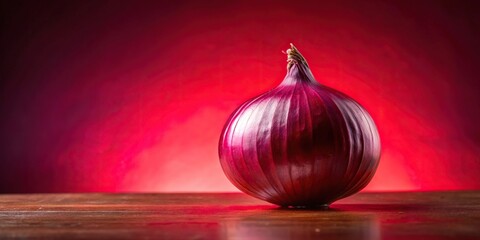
x,y
301,144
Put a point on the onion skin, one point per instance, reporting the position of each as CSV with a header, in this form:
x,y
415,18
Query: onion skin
x,y
301,144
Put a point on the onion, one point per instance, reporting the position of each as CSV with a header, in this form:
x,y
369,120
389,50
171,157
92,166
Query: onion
x,y
301,144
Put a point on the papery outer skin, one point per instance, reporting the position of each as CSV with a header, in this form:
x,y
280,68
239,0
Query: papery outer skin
x,y
300,144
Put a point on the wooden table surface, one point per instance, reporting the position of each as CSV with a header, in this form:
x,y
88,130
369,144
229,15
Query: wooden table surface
x,y
432,215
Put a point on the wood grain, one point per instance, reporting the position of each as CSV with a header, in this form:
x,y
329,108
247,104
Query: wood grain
x,y
428,215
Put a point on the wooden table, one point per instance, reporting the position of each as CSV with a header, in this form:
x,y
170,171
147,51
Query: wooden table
x,y
432,215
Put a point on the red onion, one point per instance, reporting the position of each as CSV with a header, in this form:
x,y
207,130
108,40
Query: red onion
x,y
301,144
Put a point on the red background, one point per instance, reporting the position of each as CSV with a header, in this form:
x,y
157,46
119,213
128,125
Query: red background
x,y
132,96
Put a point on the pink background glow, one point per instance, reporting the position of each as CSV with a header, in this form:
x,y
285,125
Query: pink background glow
x,y
132,96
